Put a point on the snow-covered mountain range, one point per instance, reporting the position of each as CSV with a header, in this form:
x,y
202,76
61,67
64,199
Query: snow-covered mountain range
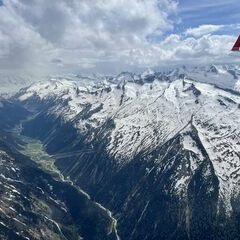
x,y
225,76
161,150
11,83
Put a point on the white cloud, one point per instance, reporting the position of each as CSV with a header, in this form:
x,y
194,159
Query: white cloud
x,y
79,33
203,29
99,36
176,49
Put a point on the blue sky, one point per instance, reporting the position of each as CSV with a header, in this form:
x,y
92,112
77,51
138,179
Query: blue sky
x,y
195,13
110,36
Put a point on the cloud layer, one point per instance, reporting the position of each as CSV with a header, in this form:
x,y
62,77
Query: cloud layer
x,y
101,36
203,29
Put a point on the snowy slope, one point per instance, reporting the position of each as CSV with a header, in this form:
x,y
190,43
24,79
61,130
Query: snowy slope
x,y
148,114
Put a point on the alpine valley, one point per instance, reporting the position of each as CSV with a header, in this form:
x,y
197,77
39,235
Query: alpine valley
x,y
151,156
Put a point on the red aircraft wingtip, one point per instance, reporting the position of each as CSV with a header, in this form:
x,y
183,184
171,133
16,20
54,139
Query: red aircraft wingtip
x,y
234,49
236,46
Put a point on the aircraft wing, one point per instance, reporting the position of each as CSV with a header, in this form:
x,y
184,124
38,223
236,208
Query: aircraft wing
x,y
236,46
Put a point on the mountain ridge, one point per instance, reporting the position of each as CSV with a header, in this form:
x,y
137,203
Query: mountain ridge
x,y
130,138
